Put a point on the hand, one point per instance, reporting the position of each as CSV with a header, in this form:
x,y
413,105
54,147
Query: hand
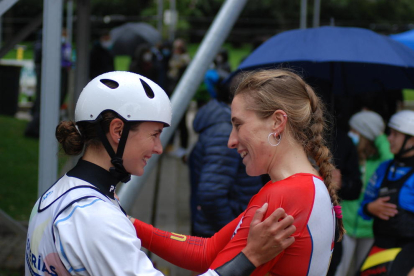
x,y
337,178
268,238
381,209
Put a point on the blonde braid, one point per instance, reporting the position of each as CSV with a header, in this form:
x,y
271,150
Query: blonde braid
x,y
316,148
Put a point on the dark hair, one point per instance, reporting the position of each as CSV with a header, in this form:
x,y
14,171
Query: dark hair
x,y
73,141
283,89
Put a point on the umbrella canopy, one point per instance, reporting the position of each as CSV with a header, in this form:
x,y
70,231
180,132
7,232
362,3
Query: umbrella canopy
x,y
406,38
351,60
128,36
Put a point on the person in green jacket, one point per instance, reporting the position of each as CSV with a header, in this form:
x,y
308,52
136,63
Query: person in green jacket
x,y
367,132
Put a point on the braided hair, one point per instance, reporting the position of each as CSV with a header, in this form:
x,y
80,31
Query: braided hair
x,y
283,89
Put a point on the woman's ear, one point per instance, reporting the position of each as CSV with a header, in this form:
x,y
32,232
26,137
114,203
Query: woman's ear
x,y
115,130
279,120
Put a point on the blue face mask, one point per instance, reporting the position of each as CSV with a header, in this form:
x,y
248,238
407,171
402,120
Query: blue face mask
x,y
354,137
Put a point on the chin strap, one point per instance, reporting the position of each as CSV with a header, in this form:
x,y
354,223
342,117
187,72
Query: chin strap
x,y
402,150
118,170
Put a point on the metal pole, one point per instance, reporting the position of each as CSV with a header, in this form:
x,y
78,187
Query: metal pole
x,y
69,20
173,12
159,15
303,13
186,88
1,31
50,93
316,13
83,26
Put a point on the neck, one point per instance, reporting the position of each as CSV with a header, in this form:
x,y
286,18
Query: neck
x,y
289,158
99,157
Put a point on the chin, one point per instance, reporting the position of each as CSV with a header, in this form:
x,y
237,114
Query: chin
x,y
252,172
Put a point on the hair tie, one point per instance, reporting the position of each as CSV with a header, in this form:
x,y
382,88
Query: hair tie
x,y
338,211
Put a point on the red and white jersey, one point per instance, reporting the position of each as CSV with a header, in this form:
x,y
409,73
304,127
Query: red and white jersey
x,y
306,198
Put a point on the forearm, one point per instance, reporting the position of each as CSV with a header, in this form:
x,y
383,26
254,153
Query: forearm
x,y
192,253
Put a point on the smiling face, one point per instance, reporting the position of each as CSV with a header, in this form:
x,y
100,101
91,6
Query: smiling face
x,y
249,137
141,144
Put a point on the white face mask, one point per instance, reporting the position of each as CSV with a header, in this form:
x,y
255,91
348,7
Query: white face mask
x,y
147,57
107,44
354,137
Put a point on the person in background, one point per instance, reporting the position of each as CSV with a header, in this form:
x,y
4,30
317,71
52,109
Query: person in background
x,y
33,127
101,58
389,199
143,62
219,71
178,63
367,133
347,178
220,187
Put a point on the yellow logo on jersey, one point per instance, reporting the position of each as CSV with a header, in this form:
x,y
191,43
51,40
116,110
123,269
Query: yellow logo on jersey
x,y
178,237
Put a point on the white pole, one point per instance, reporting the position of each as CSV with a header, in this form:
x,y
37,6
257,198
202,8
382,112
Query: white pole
x,y
173,23
303,13
316,13
50,93
160,11
186,88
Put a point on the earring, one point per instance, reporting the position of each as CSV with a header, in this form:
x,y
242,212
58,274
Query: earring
x,y
274,135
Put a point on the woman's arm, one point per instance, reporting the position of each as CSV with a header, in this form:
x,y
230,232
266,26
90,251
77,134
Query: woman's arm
x,y
189,252
266,239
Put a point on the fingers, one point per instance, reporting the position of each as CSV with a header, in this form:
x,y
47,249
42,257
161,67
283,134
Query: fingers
x,y
276,216
258,216
385,198
390,206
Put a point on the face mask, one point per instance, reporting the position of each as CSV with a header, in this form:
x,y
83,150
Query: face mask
x,y
107,44
354,137
147,57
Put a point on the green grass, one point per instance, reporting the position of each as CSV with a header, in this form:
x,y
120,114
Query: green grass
x,y
19,157
408,94
19,169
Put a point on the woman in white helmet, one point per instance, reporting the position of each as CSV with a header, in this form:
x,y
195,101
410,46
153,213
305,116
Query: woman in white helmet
x,y
389,200
77,227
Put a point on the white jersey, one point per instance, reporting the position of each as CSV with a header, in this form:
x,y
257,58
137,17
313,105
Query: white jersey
x,y
78,228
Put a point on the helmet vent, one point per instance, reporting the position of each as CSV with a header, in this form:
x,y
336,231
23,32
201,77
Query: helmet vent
x,y
110,83
148,90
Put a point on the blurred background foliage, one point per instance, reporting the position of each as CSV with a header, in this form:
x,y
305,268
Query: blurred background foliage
x,y
259,18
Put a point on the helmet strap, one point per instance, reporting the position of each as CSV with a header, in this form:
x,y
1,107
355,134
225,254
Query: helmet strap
x,y
402,150
118,171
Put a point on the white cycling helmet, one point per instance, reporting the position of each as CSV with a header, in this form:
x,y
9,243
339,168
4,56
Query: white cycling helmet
x,y
132,96
403,121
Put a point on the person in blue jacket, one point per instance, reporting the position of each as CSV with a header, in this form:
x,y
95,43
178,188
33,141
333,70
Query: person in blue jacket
x,y
220,187
389,199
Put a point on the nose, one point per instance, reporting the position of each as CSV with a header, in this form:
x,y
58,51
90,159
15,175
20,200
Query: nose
x,y
232,143
158,146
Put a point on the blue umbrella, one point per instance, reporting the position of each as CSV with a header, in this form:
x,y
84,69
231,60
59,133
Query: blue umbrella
x,y
406,38
351,60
